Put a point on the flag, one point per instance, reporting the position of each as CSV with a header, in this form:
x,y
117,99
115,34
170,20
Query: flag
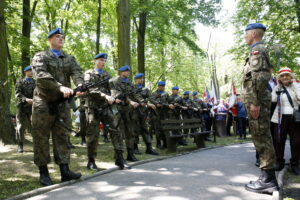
x,y
206,94
214,98
232,97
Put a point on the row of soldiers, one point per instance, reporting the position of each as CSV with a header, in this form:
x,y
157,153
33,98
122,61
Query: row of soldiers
x,y
120,105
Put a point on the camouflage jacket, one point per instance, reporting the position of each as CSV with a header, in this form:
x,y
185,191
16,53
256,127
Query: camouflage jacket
x,y
125,91
177,101
160,97
198,103
189,103
257,73
95,97
144,93
51,72
24,89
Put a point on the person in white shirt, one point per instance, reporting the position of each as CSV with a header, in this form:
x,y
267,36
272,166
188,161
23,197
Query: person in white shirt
x,y
284,121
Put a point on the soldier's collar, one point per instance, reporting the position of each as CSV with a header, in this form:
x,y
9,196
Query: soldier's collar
x,y
139,85
255,44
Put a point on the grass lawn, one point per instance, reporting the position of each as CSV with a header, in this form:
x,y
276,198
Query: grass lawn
x,y
291,189
18,174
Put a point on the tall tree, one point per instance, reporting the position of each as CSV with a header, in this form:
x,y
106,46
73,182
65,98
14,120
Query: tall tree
x,y
6,135
26,29
123,15
98,27
141,29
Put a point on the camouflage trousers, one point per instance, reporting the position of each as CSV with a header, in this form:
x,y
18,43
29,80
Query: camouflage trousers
x,y
105,115
261,136
139,118
126,124
23,120
48,120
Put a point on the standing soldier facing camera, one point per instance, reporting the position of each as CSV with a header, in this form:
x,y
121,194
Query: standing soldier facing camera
x,y
257,73
24,95
53,70
98,108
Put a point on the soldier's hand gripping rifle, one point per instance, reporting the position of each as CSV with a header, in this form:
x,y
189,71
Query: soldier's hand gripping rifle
x,y
83,88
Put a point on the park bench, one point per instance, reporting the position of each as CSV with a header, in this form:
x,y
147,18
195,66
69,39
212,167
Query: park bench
x,y
170,125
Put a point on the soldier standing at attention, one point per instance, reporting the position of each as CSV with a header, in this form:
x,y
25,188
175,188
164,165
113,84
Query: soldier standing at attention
x,y
98,108
189,112
52,70
140,116
24,95
161,100
126,100
257,73
175,113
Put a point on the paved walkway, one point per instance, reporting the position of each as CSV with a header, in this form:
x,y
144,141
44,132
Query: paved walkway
x,y
215,174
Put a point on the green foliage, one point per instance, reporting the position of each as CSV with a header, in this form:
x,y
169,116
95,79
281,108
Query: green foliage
x,y
171,49
282,28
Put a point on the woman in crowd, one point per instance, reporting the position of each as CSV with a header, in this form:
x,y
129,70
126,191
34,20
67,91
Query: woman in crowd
x,y
287,97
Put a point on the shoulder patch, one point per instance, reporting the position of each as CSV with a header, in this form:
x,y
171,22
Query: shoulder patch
x,y
255,52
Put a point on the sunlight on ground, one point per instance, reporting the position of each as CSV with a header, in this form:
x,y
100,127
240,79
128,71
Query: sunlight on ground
x,y
215,173
168,198
216,190
6,148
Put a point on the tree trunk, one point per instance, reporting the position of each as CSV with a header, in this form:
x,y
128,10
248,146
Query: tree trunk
x,y
6,133
297,7
98,27
25,41
123,14
26,29
141,39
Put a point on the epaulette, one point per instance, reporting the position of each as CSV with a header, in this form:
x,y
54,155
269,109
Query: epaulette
x,y
255,52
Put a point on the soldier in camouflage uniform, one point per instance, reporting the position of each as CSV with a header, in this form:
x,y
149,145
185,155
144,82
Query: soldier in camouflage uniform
x,y
140,115
98,108
257,73
24,95
126,100
52,70
175,113
160,99
189,112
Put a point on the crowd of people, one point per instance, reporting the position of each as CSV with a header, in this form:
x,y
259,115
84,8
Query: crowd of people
x,y
128,110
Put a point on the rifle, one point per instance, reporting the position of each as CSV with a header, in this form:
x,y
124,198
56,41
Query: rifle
x,y
83,88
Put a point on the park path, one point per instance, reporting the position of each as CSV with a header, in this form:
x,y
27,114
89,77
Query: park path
x,y
213,174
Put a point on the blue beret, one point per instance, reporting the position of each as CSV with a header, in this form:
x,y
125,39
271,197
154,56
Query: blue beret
x,y
55,31
186,93
195,93
101,55
27,68
124,68
161,83
255,26
175,88
139,75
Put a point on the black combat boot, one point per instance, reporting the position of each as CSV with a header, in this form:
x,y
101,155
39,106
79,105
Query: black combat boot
x,y
120,162
20,147
257,162
45,179
164,143
92,165
130,155
67,174
279,166
136,150
150,150
266,183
